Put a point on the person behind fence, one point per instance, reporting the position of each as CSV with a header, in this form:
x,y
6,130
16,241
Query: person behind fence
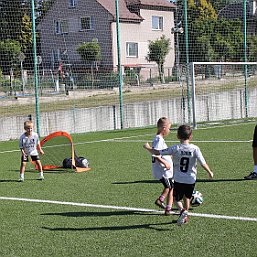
x,y
253,174
185,156
29,141
162,166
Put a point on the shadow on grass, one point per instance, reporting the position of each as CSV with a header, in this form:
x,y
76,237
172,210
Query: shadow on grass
x,y
117,228
136,182
52,171
8,180
198,180
100,214
220,180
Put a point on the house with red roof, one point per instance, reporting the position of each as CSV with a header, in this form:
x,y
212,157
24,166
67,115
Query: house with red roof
x,y
68,23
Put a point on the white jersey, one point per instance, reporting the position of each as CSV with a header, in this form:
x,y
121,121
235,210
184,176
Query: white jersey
x,y
158,170
29,144
185,157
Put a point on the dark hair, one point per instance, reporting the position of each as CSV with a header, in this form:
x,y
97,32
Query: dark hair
x,y
184,132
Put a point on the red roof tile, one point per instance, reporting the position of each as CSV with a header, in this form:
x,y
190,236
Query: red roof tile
x,y
124,12
162,3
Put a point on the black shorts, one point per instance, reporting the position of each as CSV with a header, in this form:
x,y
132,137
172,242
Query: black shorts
x,y
181,190
26,158
167,182
255,137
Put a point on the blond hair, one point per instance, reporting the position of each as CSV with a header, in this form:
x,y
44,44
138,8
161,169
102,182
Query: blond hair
x,y
161,122
28,123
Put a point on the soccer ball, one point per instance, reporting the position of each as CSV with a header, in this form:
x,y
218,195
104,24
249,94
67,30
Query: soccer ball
x,y
81,162
85,162
197,198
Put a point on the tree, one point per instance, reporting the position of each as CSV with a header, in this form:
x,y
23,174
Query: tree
x,y
252,48
220,4
158,51
15,23
9,55
10,19
90,52
209,38
10,51
26,33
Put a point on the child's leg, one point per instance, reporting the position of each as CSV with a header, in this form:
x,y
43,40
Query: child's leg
x,y
22,170
41,174
169,202
159,201
170,197
186,203
178,204
164,194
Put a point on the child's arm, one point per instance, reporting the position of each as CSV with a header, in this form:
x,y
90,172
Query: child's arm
x,y
206,167
162,161
40,149
23,152
150,149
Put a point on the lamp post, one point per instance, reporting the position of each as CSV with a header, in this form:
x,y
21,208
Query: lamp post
x,y
176,31
21,58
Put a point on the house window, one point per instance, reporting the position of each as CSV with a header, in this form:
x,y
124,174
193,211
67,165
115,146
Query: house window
x,y
72,3
86,23
61,27
157,23
132,49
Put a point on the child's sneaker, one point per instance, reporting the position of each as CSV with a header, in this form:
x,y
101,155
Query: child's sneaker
x,y
183,218
41,177
21,180
159,203
168,212
251,176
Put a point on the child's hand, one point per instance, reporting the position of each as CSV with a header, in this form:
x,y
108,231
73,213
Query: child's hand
x,y
147,146
167,166
210,175
41,152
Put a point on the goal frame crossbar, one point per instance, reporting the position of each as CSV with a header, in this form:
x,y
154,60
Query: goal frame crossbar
x,y
192,69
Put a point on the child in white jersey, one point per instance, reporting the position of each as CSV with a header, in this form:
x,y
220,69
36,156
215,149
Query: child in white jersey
x,y
185,157
162,166
28,144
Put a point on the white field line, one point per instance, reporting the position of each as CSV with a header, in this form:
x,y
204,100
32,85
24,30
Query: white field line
x,y
151,134
214,216
193,141
88,142
126,140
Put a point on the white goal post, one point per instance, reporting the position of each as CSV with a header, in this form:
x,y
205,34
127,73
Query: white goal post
x,y
220,91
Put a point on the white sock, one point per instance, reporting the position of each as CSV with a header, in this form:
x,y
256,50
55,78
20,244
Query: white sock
x,y
255,169
22,175
41,174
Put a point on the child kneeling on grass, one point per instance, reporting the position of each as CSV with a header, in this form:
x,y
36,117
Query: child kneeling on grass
x,y
185,157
